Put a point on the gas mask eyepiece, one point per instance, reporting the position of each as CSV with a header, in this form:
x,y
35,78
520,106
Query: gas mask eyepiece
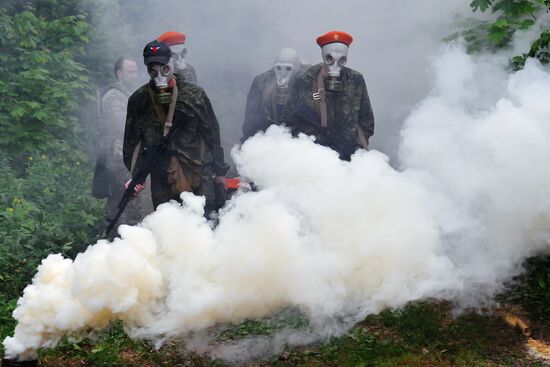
x,y
335,56
283,73
160,74
285,67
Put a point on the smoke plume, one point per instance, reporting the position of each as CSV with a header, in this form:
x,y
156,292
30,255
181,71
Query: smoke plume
x,y
332,240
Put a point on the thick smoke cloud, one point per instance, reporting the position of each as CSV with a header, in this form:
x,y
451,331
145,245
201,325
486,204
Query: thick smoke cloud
x,y
297,243
484,138
333,240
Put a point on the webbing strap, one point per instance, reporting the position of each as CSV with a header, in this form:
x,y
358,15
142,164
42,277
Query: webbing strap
x,y
171,110
321,97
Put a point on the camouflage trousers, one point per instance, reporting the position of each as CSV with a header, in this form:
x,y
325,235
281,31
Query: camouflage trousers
x,y
161,191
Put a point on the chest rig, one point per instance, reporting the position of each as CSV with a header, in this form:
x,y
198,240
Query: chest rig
x,y
334,87
320,95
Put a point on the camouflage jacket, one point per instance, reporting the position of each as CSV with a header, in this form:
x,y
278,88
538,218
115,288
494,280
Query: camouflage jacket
x,y
194,118
347,110
265,103
189,74
262,109
111,120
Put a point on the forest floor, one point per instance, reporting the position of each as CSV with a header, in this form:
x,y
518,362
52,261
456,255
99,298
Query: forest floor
x,y
421,334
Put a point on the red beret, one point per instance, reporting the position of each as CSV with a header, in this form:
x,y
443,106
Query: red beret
x,y
172,38
335,36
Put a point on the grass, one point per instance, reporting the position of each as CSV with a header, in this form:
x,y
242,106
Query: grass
x,y
421,334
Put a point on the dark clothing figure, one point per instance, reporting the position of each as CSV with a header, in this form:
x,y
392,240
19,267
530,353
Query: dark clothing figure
x,y
350,120
188,74
264,104
195,144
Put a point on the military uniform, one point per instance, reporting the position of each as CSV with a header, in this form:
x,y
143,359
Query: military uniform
x,y
264,105
195,142
113,115
270,91
189,74
349,112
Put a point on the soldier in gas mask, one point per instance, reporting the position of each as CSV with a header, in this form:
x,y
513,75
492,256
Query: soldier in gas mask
x,y
270,91
176,41
167,102
331,102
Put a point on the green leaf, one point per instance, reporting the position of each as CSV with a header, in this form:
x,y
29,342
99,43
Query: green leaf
x,y
500,23
515,8
526,24
481,5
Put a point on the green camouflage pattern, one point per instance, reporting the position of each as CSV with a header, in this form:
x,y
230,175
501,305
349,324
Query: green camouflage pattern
x,y
195,120
347,110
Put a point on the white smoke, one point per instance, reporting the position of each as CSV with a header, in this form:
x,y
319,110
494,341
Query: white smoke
x,y
334,240
484,137
304,241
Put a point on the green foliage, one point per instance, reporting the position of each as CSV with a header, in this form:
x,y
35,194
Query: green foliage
x,y
7,323
45,201
533,288
482,5
42,84
510,16
420,324
104,350
359,348
513,15
109,19
49,210
539,50
287,319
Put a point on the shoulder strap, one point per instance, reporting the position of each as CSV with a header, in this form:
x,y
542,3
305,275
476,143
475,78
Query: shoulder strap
x,y
320,97
171,111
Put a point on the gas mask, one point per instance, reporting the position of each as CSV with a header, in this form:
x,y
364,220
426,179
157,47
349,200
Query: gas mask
x,y
161,75
335,56
179,54
285,68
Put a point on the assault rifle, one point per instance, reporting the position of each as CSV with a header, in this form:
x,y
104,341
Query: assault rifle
x,y
139,176
327,136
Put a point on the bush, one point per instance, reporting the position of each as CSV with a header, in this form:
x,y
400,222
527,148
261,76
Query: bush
x,y
41,83
48,210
